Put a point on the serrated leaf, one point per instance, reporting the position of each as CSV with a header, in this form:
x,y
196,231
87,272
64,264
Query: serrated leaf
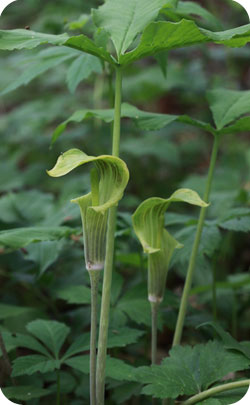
x,y
228,341
124,20
51,333
39,64
21,237
25,392
178,373
110,179
228,105
81,69
75,294
115,368
28,365
19,39
160,36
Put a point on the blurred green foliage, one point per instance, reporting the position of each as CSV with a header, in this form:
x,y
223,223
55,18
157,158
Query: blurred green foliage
x,y
43,279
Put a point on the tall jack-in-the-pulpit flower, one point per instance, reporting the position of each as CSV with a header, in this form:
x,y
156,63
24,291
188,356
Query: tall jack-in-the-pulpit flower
x,y
148,223
109,178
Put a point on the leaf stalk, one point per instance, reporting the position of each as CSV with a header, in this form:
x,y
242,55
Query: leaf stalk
x,y
216,390
107,280
192,261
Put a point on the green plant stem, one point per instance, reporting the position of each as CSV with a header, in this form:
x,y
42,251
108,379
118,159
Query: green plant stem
x,y
214,289
107,280
58,383
191,266
216,390
154,317
94,282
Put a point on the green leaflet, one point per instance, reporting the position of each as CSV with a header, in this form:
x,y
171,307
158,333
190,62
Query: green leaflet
x,y
106,190
228,105
148,223
160,36
123,20
19,39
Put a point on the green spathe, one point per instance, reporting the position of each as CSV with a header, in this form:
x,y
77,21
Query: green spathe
x,y
107,189
148,223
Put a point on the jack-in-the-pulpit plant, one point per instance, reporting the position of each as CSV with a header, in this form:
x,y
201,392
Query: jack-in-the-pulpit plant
x,y
119,33
159,245
109,178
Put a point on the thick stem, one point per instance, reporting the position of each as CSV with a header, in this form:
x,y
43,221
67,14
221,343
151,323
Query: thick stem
x,y
216,390
107,280
94,282
191,267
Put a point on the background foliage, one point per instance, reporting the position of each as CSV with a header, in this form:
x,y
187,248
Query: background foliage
x,y
45,291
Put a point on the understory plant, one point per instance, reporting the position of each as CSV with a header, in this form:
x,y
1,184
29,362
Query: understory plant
x,y
120,34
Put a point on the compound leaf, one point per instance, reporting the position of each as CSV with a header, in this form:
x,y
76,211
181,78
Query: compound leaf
x,y
51,333
178,373
124,20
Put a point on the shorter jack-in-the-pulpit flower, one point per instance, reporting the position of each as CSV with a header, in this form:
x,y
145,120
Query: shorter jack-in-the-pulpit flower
x,y
109,178
148,223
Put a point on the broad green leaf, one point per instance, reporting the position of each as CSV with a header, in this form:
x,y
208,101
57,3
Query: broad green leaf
x,y
25,392
190,9
115,368
148,223
228,105
144,120
75,294
84,44
116,338
39,64
134,305
28,365
124,20
29,342
111,177
178,373
44,254
81,69
25,207
8,311
237,219
19,39
51,333
9,341
20,237
160,36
